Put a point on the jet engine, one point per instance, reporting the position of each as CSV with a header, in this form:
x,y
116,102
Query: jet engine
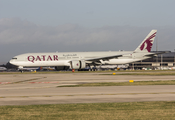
x,y
78,64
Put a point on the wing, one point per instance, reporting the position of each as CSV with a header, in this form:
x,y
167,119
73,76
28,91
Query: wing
x,y
97,60
104,58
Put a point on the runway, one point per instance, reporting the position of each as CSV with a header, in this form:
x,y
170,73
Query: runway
x,y
32,89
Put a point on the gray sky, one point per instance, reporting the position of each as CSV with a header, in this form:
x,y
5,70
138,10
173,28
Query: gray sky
x,y
83,25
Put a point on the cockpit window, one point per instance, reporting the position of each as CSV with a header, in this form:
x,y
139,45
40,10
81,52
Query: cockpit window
x,y
14,58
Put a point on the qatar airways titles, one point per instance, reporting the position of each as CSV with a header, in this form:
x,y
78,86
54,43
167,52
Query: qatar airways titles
x,y
31,58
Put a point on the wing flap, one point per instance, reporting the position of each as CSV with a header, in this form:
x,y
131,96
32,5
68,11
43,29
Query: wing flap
x,y
103,58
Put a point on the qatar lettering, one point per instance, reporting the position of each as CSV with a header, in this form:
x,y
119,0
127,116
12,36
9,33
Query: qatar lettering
x,y
32,58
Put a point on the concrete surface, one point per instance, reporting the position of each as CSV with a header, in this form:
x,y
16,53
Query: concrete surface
x,y
31,89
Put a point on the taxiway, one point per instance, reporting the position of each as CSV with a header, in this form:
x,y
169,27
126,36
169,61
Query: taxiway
x,y
31,89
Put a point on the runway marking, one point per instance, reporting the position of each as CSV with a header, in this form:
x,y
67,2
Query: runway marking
x,y
29,80
5,82
42,82
84,95
22,81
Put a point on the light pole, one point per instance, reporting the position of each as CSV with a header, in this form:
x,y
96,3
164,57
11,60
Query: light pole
x,y
157,51
174,57
161,61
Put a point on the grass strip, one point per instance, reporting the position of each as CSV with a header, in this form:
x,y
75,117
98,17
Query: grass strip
x,y
136,83
145,73
92,111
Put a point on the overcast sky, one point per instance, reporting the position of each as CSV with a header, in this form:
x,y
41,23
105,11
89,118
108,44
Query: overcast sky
x,y
83,25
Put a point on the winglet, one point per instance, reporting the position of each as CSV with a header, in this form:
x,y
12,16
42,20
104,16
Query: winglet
x,y
147,43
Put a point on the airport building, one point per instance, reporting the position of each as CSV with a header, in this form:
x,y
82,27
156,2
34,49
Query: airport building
x,y
162,61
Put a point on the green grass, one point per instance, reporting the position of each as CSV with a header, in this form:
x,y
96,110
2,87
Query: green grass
x,y
168,82
143,73
156,73
92,111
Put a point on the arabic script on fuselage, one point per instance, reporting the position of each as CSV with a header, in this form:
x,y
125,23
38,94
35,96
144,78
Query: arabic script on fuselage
x,y
69,54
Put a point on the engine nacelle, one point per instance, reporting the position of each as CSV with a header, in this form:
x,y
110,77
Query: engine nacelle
x,y
58,68
78,64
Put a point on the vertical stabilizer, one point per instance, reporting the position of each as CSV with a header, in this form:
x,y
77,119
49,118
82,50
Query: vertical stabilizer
x,y
147,43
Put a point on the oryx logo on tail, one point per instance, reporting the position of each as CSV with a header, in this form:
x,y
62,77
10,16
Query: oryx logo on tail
x,y
148,43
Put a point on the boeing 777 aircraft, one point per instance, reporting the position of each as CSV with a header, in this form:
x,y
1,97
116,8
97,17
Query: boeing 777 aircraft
x,y
79,60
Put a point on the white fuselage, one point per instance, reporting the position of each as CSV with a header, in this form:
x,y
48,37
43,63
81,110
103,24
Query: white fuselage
x,y
79,60
64,58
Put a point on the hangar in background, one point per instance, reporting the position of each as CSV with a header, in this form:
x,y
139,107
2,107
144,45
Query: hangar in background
x,y
162,61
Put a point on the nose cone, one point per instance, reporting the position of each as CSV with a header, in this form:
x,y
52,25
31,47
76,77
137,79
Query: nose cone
x,y
10,62
13,61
